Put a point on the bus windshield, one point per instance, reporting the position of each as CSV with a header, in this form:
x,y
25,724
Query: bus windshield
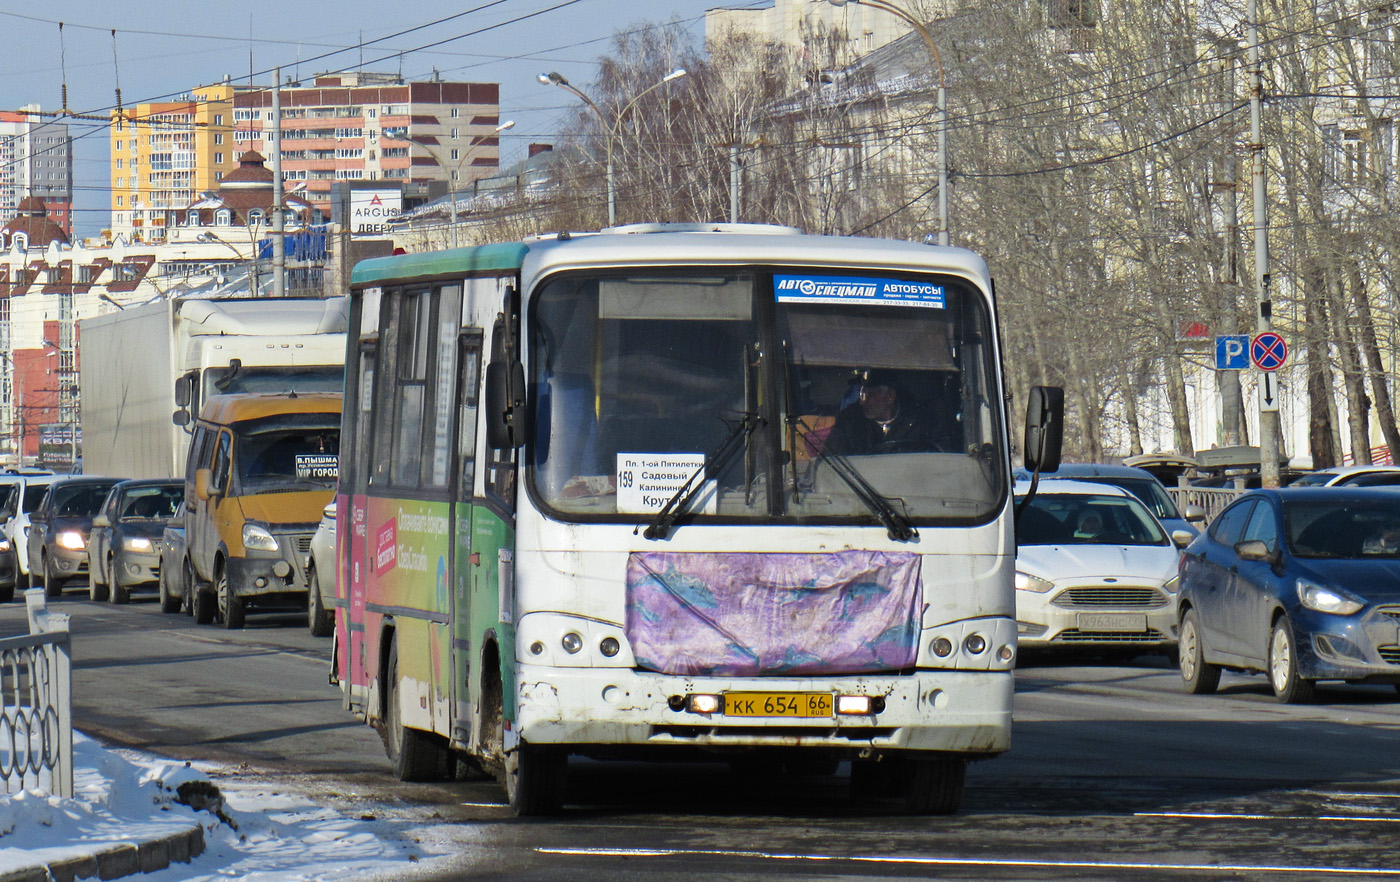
x,y
805,395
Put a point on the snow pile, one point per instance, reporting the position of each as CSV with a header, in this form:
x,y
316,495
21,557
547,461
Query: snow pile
x,y
125,796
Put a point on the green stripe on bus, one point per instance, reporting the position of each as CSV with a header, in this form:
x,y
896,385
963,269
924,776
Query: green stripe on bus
x,y
439,264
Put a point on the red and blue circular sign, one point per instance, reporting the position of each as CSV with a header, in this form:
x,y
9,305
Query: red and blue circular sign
x,y
1268,351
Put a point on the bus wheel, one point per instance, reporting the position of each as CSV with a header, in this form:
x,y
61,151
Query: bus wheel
x,y
935,786
413,754
534,779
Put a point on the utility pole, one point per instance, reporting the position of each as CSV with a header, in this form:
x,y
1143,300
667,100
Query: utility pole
x,y
1268,418
279,225
1232,404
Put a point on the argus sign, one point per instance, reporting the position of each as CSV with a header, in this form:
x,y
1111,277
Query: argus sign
x,y
370,210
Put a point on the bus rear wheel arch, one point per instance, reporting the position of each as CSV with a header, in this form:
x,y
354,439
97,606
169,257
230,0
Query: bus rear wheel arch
x,y
415,755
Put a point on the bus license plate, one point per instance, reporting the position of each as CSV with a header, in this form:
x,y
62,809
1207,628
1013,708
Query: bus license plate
x,y
778,704
1115,622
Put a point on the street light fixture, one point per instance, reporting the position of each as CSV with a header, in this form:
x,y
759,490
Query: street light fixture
x,y
901,12
450,171
556,79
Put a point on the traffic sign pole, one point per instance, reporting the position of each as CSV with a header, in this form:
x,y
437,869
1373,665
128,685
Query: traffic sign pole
x,y
1269,440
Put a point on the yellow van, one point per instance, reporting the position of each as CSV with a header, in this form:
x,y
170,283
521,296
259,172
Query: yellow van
x,y
261,468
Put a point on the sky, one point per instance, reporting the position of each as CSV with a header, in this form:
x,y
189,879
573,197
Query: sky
x,y
163,48
128,796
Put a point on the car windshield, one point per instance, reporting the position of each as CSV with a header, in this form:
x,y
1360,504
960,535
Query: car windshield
x,y
800,396
280,456
1151,493
79,500
1357,528
1087,519
150,502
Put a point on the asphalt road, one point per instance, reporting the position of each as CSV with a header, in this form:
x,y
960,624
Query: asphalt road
x,y
1114,774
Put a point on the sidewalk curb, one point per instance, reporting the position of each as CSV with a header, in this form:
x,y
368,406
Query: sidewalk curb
x,y
117,860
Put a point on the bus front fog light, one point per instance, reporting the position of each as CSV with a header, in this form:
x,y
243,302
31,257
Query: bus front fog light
x,y
942,647
609,646
571,642
975,644
1005,654
702,704
855,705
537,648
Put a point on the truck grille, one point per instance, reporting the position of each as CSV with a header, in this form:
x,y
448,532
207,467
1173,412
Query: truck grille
x,y
1121,597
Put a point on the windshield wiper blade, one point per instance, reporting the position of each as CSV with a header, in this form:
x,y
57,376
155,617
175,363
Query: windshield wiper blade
x,y
896,524
713,465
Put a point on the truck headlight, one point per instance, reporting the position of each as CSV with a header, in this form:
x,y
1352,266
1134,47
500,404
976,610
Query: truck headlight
x,y
257,538
138,544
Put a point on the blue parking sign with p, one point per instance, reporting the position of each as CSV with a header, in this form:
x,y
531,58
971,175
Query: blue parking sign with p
x,y
1232,352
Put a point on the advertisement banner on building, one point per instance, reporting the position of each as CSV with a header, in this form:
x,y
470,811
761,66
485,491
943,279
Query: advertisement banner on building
x,y
371,210
57,447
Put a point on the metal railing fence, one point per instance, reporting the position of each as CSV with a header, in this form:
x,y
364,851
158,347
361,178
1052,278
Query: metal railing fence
x,y
36,709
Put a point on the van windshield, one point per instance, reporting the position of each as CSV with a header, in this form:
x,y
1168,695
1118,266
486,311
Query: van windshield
x,y
288,457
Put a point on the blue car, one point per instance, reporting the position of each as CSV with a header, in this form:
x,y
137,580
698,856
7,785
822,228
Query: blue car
x,y
1299,584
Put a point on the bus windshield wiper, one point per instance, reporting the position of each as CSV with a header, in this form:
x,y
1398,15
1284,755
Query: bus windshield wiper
x,y
714,465
896,524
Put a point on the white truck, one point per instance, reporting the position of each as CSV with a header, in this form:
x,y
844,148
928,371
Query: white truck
x,y
146,370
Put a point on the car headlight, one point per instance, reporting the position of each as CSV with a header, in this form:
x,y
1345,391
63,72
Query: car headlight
x,y
139,544
1328,600
1173,584
1027,582
71,540
257,538
4,544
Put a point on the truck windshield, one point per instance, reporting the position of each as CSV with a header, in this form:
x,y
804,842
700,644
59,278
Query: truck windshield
x,y
302,378
872,392
287,457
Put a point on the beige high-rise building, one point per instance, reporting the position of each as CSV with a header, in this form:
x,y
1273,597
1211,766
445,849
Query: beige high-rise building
x,y
338,127
790,21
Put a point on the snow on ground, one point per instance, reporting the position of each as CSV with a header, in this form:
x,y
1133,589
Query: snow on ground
x,y
126,796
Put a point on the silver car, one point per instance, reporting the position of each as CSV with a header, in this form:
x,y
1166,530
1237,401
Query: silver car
x,y
320,576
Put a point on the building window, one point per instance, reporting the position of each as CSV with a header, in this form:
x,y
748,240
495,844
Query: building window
x,y
218,137
218,158
121,200
455,112
218,119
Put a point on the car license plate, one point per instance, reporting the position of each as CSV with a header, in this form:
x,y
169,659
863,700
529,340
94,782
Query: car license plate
x,y
778,704
1118,622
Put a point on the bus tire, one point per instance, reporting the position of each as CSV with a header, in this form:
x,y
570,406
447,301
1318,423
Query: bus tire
x,y
935,786
414,754
535,778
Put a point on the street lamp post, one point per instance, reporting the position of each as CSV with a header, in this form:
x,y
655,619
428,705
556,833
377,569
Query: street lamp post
x,y
904,14
452,170
556,79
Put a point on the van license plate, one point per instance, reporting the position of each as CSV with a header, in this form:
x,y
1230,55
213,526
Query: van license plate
x,y
1116,622
778,704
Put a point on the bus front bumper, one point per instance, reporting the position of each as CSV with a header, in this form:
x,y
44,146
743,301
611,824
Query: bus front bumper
x,y
960,712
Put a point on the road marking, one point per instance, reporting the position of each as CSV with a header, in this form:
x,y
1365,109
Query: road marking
x,y
969,862
1223,816
484,804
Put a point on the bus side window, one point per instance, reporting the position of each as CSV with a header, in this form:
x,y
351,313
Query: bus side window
x,y
469,384
500,464
384,390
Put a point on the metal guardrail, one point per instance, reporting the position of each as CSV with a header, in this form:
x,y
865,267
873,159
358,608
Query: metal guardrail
x,y
1212,499
36,704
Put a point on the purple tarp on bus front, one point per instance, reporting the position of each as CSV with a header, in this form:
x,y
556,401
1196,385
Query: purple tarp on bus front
x,y
848,612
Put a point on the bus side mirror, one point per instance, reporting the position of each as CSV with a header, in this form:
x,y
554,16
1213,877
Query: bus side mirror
x,y
505,404
1045,428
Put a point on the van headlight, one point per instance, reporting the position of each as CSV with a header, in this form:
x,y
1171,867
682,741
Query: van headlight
x,y
256,538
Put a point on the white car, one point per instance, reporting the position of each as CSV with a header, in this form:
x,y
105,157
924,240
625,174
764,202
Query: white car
x,y
1351,476
1094,570
320,576
19,496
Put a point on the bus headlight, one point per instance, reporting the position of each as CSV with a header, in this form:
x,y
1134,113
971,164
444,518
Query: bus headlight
x,y
609,646
571,642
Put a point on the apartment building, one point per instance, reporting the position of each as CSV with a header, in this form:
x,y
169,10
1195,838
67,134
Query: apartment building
x,y
339,127
36,160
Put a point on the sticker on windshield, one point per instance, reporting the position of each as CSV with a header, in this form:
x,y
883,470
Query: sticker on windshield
x,y
851,289
647,481
318,465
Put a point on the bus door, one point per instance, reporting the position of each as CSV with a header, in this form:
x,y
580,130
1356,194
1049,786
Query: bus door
x,y
469,345
352,532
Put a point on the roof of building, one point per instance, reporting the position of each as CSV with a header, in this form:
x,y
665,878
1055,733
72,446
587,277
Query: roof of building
x,y
33,223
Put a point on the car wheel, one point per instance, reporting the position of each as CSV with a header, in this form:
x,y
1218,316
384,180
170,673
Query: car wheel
x,y
188,586
120,593
170,602
1289,687
231,610
1200,676
202,606
53,584
318,619
7,594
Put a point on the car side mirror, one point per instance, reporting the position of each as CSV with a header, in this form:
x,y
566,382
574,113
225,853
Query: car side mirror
x,y
1194,514
101,521
203,481
1182,538
329,511
1254,549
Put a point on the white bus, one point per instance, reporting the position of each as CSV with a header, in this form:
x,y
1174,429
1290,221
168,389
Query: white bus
x,y
668,491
